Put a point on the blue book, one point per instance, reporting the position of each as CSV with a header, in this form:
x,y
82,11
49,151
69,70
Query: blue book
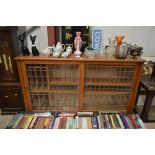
x,y
94,122
124,122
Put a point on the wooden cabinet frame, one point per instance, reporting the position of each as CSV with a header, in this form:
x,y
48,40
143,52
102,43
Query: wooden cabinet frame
x,y
137,64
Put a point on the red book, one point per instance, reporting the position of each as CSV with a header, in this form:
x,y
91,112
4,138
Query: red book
x,y
133,122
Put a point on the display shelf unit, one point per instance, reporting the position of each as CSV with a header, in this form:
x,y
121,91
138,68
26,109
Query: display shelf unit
x,y
79,84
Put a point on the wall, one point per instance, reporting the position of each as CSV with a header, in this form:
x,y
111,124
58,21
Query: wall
x,y
41,39
141,35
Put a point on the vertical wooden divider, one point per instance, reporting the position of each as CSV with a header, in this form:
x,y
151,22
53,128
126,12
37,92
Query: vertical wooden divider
x,y
81,90
22,84
26,84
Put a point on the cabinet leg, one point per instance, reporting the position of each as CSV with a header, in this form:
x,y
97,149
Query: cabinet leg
x,y
147,106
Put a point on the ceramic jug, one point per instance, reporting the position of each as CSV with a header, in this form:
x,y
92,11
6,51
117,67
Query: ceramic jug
x,y
59,47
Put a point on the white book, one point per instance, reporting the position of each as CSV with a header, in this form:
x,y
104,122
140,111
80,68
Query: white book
x,y
55,123
84,123
77,122
99,123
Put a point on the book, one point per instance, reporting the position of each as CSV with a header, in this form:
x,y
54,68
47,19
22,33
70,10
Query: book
x,y
112,122
67,114
89,124
85,114
13,121
79,122
108,125
94,122
120,121
60,123
99,123
124,121
55,124
116,121
27,122
32,122
133,122
84,123
137,122
17,121
129,122
140,121
64,122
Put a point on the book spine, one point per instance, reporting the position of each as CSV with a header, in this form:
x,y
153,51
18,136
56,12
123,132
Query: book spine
x,y
16,123
120,121
104,121
116,121
33,121
107,121
124,121
94,122
53,122
112,122
140,121
84,123
79,122
133,122
85,114
129,122
99,123
89,123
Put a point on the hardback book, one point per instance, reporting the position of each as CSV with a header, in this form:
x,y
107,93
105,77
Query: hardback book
x,y
64,122
89,124
32,122
140,121
99,123
21,123
36,122
47,123
124,121
17,121
74,122
133,122
79,122
120,121
137,122
67,114
55,123
27,121
112,121
46,114
41,122
60,123
101,118
85,114
13,121
94,122
108,125
84,123
129,122
57,126
117,126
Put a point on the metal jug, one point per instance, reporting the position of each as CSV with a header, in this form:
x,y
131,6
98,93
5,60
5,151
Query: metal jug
x,y
121,51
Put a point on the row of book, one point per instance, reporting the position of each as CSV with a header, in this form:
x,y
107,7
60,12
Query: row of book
x,y
79,120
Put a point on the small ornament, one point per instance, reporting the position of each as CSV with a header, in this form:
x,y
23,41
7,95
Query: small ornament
x,y
78,44
24,48
35,51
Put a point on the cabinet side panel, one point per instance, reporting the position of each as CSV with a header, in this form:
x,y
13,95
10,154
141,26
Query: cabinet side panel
x,y
135,84
22,84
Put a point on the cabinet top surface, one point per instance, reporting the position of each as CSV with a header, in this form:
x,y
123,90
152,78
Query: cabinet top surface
x,y
82,58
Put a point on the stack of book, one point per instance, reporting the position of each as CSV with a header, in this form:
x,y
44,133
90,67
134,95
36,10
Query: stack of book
x,y
79,120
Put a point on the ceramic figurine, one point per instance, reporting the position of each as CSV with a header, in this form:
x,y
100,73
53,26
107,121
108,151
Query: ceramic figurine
x,y
67,53
78,44
24,48
48,51
35,51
